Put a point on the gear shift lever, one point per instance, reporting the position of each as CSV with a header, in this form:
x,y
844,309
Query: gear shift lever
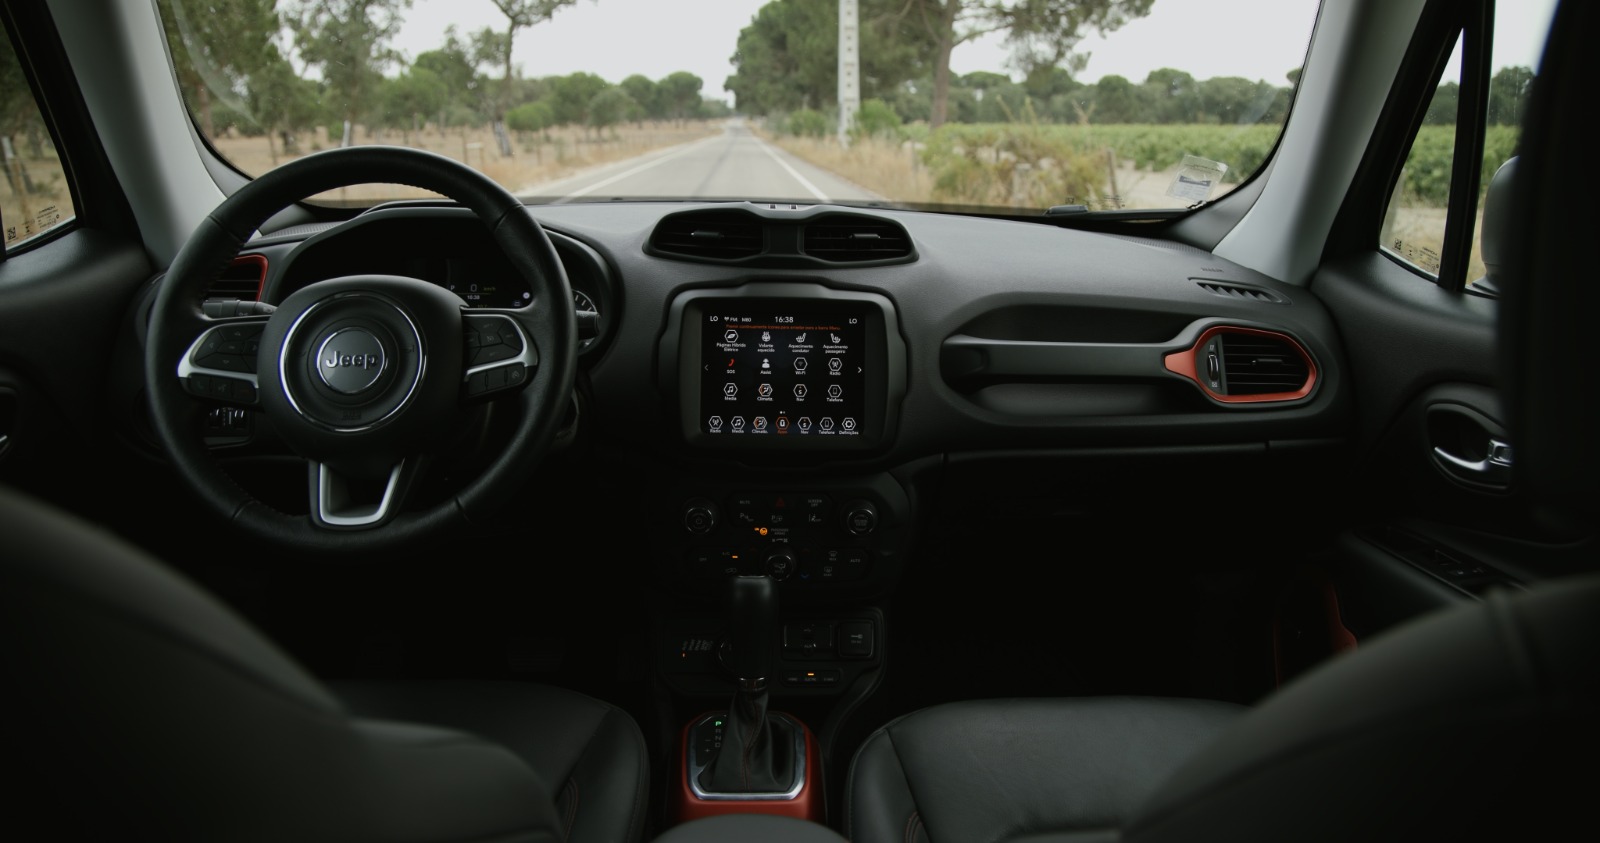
x,y
757,754
751,632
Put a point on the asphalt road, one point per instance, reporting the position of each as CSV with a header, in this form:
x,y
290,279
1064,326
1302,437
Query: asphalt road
x,y
733,165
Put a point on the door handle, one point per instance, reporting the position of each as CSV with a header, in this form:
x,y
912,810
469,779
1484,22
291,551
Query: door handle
x,y
1494,469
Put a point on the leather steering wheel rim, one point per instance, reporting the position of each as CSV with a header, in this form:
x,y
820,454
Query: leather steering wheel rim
x,y
176,317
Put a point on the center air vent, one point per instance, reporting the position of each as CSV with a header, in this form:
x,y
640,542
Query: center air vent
x,y
716,235
842,238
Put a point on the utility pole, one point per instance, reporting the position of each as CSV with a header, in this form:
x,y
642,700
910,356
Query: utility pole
x,y
849,67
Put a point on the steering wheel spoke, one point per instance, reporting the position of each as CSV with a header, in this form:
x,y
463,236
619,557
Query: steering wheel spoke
x,y
341,500
220,365
499,354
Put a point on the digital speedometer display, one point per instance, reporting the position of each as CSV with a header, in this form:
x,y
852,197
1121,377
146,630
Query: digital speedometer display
x,y
795,372
482,283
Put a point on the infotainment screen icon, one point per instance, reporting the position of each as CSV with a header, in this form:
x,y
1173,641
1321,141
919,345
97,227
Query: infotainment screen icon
x,y
781,363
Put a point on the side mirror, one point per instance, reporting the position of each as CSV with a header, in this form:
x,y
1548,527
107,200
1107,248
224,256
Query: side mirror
x,y
1496,225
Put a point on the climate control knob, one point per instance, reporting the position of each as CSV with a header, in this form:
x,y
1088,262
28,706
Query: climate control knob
x,y
860,518
699,516
780,563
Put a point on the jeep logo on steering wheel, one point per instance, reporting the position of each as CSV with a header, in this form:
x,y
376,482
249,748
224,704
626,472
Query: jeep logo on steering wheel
x,y
351,360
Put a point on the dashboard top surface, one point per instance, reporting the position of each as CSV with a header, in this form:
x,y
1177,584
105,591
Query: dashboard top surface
x,y
1088,321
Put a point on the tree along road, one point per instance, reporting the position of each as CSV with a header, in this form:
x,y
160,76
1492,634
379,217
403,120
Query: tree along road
x,y
733,165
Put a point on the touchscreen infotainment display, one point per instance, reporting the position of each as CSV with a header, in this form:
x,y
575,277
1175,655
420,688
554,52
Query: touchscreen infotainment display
x,y
796,371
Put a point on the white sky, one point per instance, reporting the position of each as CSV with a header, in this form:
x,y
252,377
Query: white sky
x,y
1256,39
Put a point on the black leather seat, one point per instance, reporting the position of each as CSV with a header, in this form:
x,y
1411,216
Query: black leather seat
x,y
1000,769
1480,723
138,706
1481,719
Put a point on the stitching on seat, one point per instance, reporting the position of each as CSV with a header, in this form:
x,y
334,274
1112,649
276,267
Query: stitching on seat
x,y
913,822
636,818
851,814
572,809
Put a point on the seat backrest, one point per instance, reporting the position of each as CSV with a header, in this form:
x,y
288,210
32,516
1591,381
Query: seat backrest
x,y
1482,722
138,705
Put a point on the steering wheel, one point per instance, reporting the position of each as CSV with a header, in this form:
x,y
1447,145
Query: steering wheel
x,y
361,375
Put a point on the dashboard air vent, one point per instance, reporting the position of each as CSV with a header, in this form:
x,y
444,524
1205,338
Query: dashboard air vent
x,y
842,238
1240,291
242,280
717,235
1254,364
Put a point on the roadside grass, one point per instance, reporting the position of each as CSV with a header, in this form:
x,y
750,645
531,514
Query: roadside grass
x,y
539,157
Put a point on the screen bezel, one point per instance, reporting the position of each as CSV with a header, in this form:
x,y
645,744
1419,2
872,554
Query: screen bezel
x,y
884,379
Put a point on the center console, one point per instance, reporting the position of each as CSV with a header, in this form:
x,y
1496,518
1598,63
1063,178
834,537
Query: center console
x,y
779,377
784,394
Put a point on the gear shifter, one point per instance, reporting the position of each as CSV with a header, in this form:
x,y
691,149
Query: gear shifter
x,y
757,754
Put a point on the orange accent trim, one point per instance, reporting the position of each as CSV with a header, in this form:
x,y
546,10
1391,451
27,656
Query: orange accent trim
x,y
1340,638
260,261
807,805
1186,364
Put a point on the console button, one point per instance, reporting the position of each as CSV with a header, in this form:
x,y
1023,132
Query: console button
x,y
860,518
816,509
855,562
855,639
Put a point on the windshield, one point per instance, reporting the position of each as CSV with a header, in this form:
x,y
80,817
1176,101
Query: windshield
x,y
1007,106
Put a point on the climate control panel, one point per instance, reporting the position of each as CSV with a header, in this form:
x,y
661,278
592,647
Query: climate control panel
x,y
805,538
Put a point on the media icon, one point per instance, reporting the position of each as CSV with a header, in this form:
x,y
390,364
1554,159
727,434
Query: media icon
x,y
738,423
730,389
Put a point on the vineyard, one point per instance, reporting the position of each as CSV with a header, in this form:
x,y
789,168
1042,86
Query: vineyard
x,y
1034,165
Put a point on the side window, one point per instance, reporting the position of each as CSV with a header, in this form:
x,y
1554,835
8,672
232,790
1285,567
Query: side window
x,y
36,197
1423,206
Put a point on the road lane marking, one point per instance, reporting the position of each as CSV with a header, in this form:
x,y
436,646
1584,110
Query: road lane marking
x,y
804,182
636,170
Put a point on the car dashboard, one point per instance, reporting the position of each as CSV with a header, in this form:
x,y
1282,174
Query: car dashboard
x,y
770,374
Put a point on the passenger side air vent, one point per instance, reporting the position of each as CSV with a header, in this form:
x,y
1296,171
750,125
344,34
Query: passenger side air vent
x,y
715,235
1233,364
842,238
242,280
1240,291
1256,364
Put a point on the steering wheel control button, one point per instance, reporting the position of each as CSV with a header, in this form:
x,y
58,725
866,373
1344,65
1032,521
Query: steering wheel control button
x,y
351,360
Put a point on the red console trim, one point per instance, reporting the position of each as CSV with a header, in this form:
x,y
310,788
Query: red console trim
x,y
807,805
